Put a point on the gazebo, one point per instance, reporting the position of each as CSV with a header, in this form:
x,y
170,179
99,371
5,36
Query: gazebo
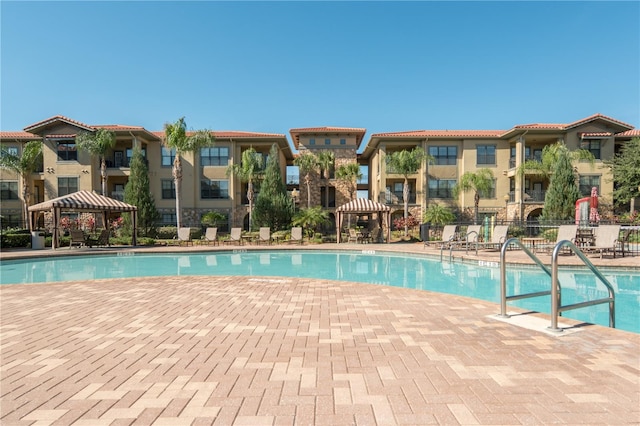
x,y
362,206
83,201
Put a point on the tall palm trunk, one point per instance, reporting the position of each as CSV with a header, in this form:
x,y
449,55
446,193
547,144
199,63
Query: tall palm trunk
x,y
326,192
307,182
177,178
103,175
476,199
250,195
26,196
405,198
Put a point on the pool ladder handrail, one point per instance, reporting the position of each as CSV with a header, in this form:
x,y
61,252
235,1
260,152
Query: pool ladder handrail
x,y
556,290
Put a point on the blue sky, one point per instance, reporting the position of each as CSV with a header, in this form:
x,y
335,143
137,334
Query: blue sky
x,y
272,66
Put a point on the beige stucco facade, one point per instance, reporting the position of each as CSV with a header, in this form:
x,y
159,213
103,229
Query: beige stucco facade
x,y
501,151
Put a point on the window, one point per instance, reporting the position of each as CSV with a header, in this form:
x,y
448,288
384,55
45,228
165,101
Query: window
x,y
9,190
441,188
327,141
168,189
67,151
312,141
343,141
168,155
214,156
592,145
588,182
10,150
444,155
130,154
67,185
486,154
492,191
214,189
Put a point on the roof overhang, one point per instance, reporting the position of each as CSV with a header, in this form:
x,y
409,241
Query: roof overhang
x,y
328,131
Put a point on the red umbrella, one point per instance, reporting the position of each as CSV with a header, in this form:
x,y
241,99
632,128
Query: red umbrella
x,y
593,204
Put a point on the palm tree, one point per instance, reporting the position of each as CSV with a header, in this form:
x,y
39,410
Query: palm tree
x,y
307,162
349,173
407,163
176,138
97,144
249,170
326,161
310,218
24,165
549,158
480,182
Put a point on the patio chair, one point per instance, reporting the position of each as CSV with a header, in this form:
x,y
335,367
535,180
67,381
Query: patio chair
x,y
264,236
235,236
101,240
184,236
498,238
565,232
471,237
77,238
605,239
211,236
296,235
448,237
354,237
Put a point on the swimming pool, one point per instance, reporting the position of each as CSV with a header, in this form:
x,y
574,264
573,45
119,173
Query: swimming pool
x,y
409,271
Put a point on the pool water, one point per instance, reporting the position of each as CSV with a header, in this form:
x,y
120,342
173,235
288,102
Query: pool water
x,y
409,271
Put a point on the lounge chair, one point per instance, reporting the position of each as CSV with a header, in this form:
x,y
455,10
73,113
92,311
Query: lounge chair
x,y
498,238
101,240
448,237
296,235
77,238
565,232
471,237
184,236
235,236
605,239
264,236
211,236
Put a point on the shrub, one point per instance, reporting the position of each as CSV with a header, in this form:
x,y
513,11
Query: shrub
x,y
167,232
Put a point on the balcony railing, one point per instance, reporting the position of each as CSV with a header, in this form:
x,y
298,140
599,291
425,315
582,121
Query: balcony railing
x,y
396,198
117,195
531,196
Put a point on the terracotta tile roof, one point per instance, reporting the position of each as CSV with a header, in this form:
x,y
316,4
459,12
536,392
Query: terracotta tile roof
x,y
595,117
629,133
57,136
543,126
116,127
19,135
443,133
225,134
55,118
595,134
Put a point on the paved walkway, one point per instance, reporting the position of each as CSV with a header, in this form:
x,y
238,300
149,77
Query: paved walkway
x,y
269,351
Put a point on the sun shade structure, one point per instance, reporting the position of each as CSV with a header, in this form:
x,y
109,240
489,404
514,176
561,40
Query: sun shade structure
x,y
83,201
362,206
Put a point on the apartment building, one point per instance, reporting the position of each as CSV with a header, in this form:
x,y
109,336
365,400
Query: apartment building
x,y
206,187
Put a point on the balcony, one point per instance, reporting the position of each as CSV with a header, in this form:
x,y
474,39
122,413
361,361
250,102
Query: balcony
x,y
117,195
530,196
396,198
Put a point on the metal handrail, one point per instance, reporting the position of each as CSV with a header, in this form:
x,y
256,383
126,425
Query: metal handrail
x,y
503,276
556,306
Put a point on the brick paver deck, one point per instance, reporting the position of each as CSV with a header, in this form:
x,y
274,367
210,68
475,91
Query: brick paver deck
x,y
269,351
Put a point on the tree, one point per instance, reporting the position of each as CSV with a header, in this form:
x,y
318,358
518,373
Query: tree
x,y
625,167
438,215
406,163
249,170
307,162
212,218
23,165
349,173
97,144
560,199
177,138
137,193
310,218
326,161
479,182
273,206
549,158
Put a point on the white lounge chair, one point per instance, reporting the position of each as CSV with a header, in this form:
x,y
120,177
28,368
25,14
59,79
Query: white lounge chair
x,y
264,236
211,236
184,236
605,239
498,238
448,237
235,236
296,235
